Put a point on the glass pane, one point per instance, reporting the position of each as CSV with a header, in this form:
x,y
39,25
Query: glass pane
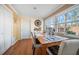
x,y
50,22
61,27
74,23
60,19
77,13
71,16
69,28
78,23
69,24
53,21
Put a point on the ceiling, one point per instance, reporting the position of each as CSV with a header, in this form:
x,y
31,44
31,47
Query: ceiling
x,y
38,10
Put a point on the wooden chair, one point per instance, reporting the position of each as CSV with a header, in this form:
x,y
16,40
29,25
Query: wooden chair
x,y
36,43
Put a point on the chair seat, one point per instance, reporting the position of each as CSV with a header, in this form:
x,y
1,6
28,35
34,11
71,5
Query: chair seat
x,y
53,50
37,46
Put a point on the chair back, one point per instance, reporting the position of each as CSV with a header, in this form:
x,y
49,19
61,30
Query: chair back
x,y
33,38
70,47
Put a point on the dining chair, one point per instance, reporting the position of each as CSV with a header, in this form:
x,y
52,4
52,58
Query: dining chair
x,y
70,47
36,43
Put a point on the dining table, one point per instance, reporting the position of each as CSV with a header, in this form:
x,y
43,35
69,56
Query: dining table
x,y
48,41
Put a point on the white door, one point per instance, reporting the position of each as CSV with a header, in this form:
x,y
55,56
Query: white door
x,y
1,31
8,29
25,28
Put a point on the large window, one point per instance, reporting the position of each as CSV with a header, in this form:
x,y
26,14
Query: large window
x,y
68,22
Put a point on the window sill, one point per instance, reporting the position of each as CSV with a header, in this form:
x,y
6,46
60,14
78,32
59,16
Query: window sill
x,y
71,36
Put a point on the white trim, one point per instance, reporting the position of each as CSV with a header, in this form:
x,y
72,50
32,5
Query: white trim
x,y
12,8
6,8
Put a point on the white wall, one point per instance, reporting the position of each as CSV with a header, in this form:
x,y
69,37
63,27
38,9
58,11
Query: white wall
x,y
27,26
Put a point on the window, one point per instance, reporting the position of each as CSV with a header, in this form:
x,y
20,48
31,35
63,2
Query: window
x,y
61,23
49,23
61,19
77,16
72,21
66,22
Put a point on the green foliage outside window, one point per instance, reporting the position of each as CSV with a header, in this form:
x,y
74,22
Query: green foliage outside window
x,y
70,32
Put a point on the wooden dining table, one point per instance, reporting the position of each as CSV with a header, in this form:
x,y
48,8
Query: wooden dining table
x,y
45,44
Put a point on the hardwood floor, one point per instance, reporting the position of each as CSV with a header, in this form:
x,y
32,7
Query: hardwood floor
x,y
21,47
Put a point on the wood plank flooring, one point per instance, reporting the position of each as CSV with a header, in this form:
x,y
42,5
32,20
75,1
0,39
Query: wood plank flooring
x,y
21,47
